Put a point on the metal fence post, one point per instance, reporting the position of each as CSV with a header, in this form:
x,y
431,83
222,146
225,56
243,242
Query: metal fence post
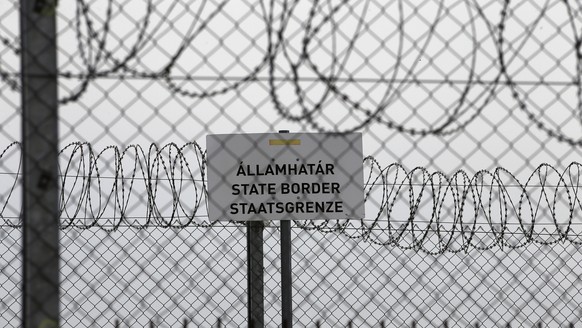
x,y
255,279
40,164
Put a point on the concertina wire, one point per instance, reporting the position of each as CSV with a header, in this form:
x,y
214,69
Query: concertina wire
x,y
496,35
408,208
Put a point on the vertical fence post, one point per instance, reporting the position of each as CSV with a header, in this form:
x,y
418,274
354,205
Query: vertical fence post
x,y
286,279
40,248
255,274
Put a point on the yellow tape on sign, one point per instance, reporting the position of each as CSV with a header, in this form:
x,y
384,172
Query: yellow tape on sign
x,y
284,142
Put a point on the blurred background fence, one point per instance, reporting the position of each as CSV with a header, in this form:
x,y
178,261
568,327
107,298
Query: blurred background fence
x,y
471,113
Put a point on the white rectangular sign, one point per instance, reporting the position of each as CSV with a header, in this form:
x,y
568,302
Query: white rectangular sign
x,y
293,176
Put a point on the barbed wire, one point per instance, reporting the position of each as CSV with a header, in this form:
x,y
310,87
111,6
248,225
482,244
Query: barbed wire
x,y
165,186
284,48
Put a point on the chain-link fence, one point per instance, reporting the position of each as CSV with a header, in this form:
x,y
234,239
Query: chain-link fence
x,y
470,117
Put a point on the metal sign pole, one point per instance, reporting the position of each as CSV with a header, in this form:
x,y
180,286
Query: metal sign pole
x,y
255,278
286,279
286,282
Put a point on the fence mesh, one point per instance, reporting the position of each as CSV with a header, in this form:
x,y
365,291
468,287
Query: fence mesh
x,y
470,114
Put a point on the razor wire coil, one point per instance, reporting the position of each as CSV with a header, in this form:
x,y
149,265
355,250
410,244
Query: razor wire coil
x,y
101,58
165,186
